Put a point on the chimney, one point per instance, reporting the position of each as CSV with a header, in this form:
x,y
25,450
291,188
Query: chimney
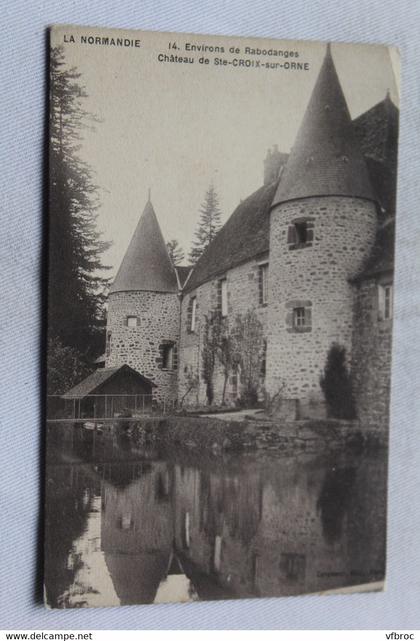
x,y
272,164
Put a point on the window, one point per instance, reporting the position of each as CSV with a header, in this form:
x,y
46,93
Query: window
x,y
186,531
263,283
234,386
168,357
264,359
222,302
385,295
131,321
293,566
125,522
217,553
108,344
299,317
300,234
193,314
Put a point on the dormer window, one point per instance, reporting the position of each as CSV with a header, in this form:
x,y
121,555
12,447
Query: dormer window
x,y
300,233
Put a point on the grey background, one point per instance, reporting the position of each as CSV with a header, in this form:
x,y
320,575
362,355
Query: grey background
x,y
23,100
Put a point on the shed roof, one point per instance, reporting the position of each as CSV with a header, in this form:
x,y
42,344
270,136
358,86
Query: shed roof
x,y
146,265
100,376
326,159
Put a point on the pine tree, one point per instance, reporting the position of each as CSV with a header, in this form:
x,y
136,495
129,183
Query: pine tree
x,y
208,225
76,288
175,251
337,385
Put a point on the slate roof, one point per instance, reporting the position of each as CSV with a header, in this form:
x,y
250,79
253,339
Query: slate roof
x,y
332,155
381,259
146,265
377,133
183,272
326,159
243,236
100,376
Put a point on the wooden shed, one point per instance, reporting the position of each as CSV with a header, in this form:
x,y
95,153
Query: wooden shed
x,y
110,392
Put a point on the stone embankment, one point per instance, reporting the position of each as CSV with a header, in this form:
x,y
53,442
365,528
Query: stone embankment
x,y
216,434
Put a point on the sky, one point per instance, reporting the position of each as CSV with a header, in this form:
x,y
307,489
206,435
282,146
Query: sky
x,y
175,128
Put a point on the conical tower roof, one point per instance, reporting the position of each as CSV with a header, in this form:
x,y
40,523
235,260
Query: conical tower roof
x,y
326,159
146,265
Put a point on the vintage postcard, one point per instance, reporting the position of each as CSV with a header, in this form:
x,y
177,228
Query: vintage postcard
x,y
221,240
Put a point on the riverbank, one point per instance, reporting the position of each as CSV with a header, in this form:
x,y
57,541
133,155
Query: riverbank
x,y
249,433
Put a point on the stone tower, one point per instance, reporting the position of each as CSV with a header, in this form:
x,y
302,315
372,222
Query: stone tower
x,y
322,229
143,309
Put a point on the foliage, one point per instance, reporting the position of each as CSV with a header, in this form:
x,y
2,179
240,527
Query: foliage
x,y
76,286
227,354
212,335
248,340
273,401
175,251
66,367
208,225
336,384
191,380
236,349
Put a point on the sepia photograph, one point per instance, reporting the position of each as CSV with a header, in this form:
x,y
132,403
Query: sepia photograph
x,y
221,226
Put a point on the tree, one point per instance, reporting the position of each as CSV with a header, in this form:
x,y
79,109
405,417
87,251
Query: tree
x,y
191,383
248,340
227,355
336,384
175,251
212,333
65,367
208,225
76,287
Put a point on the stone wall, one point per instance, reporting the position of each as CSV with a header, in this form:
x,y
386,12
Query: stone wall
x,y
243,294
141,346
314,276
371,368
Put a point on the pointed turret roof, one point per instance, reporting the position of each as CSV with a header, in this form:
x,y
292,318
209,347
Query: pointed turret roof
x,y
326,159
146,265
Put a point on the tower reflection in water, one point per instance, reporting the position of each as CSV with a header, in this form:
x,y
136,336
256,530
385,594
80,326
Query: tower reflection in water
x,y
152,531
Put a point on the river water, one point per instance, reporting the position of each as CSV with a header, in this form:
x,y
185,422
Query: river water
x,y
127,525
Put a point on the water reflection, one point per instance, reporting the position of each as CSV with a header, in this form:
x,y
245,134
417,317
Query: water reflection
x,y
129,526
